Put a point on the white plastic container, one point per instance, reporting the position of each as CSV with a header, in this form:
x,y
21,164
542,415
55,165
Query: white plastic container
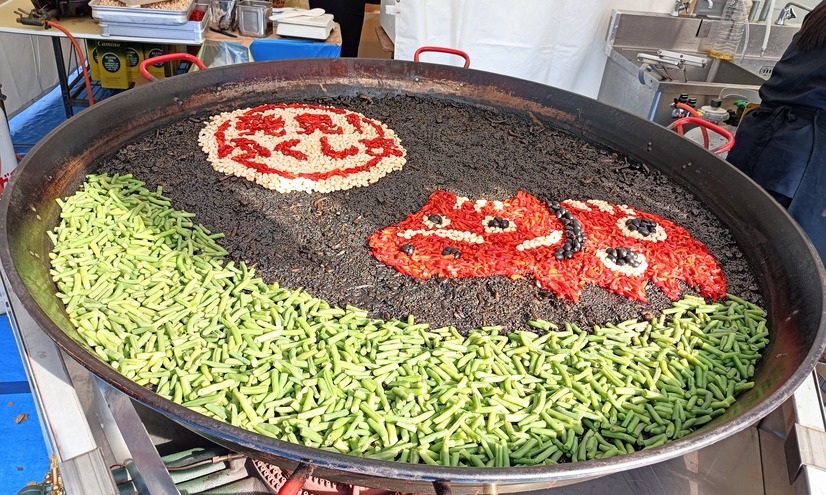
x,y
312,27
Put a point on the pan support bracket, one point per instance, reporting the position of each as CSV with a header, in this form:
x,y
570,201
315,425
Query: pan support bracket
x,y
795,434
69,437
805,445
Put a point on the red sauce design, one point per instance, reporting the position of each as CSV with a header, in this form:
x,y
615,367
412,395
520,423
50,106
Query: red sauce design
x,y
562,246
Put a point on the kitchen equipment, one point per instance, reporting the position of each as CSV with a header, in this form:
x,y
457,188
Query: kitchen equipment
x,y
140,16
65,8
317,27
793,277
223,14
723,142
190,30
633,33
253,18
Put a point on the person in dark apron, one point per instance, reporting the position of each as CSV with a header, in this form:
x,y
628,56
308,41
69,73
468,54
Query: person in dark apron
x,y
782,143
349,14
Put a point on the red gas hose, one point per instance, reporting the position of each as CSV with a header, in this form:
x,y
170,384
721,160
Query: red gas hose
x,y
296,481
694,113
81,58
679,123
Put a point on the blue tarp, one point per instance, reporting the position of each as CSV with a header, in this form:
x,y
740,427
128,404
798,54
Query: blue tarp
x,y
288,49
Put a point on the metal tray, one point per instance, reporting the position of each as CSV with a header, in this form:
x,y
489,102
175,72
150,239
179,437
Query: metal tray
x,y
188,31
139,15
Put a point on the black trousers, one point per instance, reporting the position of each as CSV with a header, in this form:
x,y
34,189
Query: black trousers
x,y
349,14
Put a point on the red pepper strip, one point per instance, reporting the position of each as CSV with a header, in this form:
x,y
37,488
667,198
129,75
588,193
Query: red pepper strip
x,y
386,146
310,123
286,148
220,136
355,121
328,150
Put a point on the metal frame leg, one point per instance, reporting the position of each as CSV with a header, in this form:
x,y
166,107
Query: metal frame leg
x,y
62,77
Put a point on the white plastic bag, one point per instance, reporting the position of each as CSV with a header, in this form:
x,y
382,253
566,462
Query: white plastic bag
x,y
218,54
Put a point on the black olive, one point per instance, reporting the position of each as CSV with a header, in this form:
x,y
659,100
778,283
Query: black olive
x,y
435,219
504,223
408,249
451,251
621,252
559,254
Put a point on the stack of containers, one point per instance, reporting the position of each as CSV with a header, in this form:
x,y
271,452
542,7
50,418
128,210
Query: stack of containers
x,y
153,23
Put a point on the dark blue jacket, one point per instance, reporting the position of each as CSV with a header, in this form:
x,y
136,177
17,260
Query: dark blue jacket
x,y
782,143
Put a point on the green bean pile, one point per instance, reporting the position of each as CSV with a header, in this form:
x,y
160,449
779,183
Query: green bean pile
x,y
150,294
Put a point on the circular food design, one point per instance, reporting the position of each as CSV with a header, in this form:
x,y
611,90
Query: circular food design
x,y
295,147
458,312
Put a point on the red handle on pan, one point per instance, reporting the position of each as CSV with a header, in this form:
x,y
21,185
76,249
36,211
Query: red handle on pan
x,y
168,58
451,51
679,123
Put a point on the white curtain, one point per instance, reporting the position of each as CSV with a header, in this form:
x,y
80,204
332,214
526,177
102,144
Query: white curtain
x,y
556,42
27,68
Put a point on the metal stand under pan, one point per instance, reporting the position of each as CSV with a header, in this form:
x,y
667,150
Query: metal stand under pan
x,y
106,444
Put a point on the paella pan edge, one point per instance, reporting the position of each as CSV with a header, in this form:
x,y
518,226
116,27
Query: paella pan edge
x,y
774,245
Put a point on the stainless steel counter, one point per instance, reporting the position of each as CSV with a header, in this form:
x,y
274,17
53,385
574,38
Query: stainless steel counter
x,y
628,83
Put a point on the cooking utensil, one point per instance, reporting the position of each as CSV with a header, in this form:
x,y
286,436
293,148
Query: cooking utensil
x,y
792,275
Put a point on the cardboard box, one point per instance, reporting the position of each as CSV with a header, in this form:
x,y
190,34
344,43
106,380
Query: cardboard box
x,y
113,65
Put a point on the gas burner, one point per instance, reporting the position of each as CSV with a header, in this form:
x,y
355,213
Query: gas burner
x,y
275,479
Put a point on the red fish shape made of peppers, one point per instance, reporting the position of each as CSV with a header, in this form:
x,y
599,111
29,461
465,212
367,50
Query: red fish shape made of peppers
x,y
562,246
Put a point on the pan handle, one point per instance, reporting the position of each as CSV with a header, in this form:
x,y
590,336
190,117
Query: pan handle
x,y
440,49
168,58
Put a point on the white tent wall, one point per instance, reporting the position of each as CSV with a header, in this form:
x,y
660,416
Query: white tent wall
x,y
28,69
556,42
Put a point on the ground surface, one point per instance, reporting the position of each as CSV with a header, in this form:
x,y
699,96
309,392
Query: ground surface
x,y
319,241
